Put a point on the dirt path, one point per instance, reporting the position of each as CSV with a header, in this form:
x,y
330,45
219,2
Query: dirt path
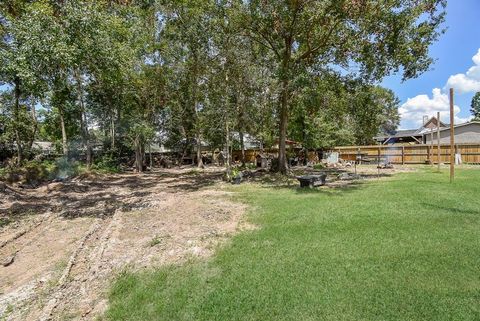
x,y
65,257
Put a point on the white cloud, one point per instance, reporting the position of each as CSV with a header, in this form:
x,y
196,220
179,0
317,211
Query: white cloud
x,y
476,58
413,110
469,81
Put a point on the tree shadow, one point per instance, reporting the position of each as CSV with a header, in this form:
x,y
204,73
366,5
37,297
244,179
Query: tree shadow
x,y
102,196
451,209
332,187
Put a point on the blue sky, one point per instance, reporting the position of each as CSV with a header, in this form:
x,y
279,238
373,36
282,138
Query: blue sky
x,y
454,53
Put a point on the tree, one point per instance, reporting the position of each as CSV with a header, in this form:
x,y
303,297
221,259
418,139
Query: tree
x,y
475,106
15,70
187,36
240,84
53,51
43,43
372,38
373,110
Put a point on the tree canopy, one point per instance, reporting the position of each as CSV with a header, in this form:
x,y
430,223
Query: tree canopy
x,y
121,75
475,106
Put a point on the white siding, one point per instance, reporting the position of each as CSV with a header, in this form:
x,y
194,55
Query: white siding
x,y
464,134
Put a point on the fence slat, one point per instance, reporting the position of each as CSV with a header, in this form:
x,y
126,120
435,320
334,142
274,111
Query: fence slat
x,y
411,154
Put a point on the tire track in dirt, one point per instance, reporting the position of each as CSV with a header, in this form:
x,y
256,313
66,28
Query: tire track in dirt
x,y
26,231
27,294
80,287
73,273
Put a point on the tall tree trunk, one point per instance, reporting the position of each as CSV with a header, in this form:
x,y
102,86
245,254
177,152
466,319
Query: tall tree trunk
x,y
241,127
195,103
86,139
83,123
227,130
242,147
199,151
16,115
151,157
227,143
64,131
138,154
282,152
142,153
35,129
113,113
112,132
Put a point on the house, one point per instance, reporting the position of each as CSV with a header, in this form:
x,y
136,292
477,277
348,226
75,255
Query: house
x,y
249,141
44,148
464,133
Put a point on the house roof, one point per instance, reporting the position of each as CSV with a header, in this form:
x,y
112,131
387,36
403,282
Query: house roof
x,y
421,131
406,133
433,120
459,125
401,133
45,146
426,128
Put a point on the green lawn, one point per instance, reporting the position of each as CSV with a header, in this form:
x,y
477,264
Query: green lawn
x,y
406,248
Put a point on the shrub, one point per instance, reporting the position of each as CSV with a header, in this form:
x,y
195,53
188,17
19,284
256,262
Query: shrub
x,y
107,164
251,166
318,166
36,172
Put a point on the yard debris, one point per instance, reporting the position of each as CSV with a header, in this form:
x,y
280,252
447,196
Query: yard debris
x,y
385,165
4,188
346,176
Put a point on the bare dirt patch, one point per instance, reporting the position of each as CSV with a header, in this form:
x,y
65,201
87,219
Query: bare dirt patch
x,y
68,240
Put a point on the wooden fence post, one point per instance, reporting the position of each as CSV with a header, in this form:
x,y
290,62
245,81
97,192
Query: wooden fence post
x,y
431,146
403,155
452,138
438,140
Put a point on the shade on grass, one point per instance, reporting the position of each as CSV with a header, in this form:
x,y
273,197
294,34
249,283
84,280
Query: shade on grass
x,y
406,248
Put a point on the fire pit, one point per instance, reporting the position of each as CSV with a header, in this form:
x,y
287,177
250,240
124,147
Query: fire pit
x,y
312,180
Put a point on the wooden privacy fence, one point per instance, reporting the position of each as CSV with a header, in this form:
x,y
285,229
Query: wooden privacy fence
x,y
410,154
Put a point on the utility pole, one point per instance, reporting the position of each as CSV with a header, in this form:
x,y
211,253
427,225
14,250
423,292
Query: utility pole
x,y
452,139
438,140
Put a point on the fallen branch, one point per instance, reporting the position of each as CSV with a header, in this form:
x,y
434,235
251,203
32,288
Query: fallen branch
x,y
4,187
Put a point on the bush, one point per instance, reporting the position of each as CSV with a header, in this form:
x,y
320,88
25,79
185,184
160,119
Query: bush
x,y
36,172
32,172
318,166
3,172
107,164
251,166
